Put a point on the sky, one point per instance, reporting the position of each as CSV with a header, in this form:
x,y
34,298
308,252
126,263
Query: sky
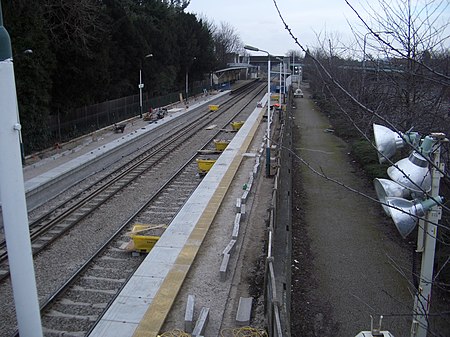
x,y
258,24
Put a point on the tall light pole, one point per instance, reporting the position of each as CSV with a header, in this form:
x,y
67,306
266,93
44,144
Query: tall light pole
x,y
279,93
187,78
268,106
364,51
12,196
22,150
141,85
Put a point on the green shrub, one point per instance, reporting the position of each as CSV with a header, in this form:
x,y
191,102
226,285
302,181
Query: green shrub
x,y
366,157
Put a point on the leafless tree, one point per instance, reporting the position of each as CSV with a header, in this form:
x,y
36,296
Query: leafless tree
x,y
75,21
406,60
226,42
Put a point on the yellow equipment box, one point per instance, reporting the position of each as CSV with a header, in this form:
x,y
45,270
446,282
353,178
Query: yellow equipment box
x,y
204,165
213,107
221,144
237,125
141,242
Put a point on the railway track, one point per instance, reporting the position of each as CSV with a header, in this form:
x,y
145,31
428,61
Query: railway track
x,y
84,297
51,225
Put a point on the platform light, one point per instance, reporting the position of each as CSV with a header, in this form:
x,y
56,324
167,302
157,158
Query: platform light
x,y
268,105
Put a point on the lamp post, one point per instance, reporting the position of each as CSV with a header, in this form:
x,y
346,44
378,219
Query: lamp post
x,y
268,106
364,51
22,150
187,78
141,85
279,93
12,196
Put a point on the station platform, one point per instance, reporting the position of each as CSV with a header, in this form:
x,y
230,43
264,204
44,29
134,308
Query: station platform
x,y
48,173
155,297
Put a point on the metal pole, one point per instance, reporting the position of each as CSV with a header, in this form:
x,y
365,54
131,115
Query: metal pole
x,y
279,96
140,92
268,118
422,299
12,195
187,84
364,61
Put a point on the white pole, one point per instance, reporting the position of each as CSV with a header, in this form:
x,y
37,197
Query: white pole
x,y
12,195
140,92
419,327
279,93
268,118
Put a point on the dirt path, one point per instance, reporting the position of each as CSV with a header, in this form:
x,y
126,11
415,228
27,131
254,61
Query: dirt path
x,y
349,261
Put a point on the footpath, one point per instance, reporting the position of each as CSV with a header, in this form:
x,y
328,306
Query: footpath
x,y
348,261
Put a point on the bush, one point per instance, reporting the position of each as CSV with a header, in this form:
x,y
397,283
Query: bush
x,y
366,156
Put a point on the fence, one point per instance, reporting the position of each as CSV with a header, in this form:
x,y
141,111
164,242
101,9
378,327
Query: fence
x,y
277,281
67,125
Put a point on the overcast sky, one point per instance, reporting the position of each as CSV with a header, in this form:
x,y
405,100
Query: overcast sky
x,y
258,24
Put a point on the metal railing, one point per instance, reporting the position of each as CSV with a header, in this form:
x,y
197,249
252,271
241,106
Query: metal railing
x,y
277,278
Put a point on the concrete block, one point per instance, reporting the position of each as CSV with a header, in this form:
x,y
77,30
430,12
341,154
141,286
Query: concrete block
x,y
229,249
255,169
189,314
244,197
224,267
201,323
237,221
243,212
238,205
244,311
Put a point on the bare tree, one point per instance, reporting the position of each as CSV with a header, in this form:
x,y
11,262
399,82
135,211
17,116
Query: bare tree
x,y
226,42
74,21
407,39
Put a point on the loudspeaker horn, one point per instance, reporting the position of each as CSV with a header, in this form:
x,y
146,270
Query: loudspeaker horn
x,y
387,188
412,173
404,213
386,141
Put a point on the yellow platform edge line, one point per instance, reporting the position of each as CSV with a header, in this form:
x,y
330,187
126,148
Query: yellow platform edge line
x,y
156,314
